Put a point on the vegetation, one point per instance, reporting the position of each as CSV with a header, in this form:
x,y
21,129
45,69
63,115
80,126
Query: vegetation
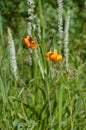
x,y
37,91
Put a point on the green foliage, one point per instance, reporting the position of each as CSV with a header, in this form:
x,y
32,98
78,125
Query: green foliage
x,y
12,12
46,96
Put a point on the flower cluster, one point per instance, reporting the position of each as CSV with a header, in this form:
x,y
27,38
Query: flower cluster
x,y
66,36
33,20
31,6
60,19
11,48
50,56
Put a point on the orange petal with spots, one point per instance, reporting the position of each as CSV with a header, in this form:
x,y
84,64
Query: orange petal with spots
x,y
29,42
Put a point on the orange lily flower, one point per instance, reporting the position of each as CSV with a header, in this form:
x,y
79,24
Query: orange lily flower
x,y
53,56
29,42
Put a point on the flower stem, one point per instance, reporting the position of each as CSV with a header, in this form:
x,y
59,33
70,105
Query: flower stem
x,y
60,107
49,102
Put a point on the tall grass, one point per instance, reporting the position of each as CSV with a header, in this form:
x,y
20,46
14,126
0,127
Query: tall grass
x,y
48,97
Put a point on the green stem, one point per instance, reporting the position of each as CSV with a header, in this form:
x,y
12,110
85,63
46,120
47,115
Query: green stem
x,y
71,110
49,102
1,30
60,106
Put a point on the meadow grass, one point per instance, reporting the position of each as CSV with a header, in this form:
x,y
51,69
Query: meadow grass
x,y
46,96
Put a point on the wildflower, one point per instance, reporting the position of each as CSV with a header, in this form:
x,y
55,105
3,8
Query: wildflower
x,y
53,56
60,19
12,54
29,42
30,2
31,6
66,39
33,20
